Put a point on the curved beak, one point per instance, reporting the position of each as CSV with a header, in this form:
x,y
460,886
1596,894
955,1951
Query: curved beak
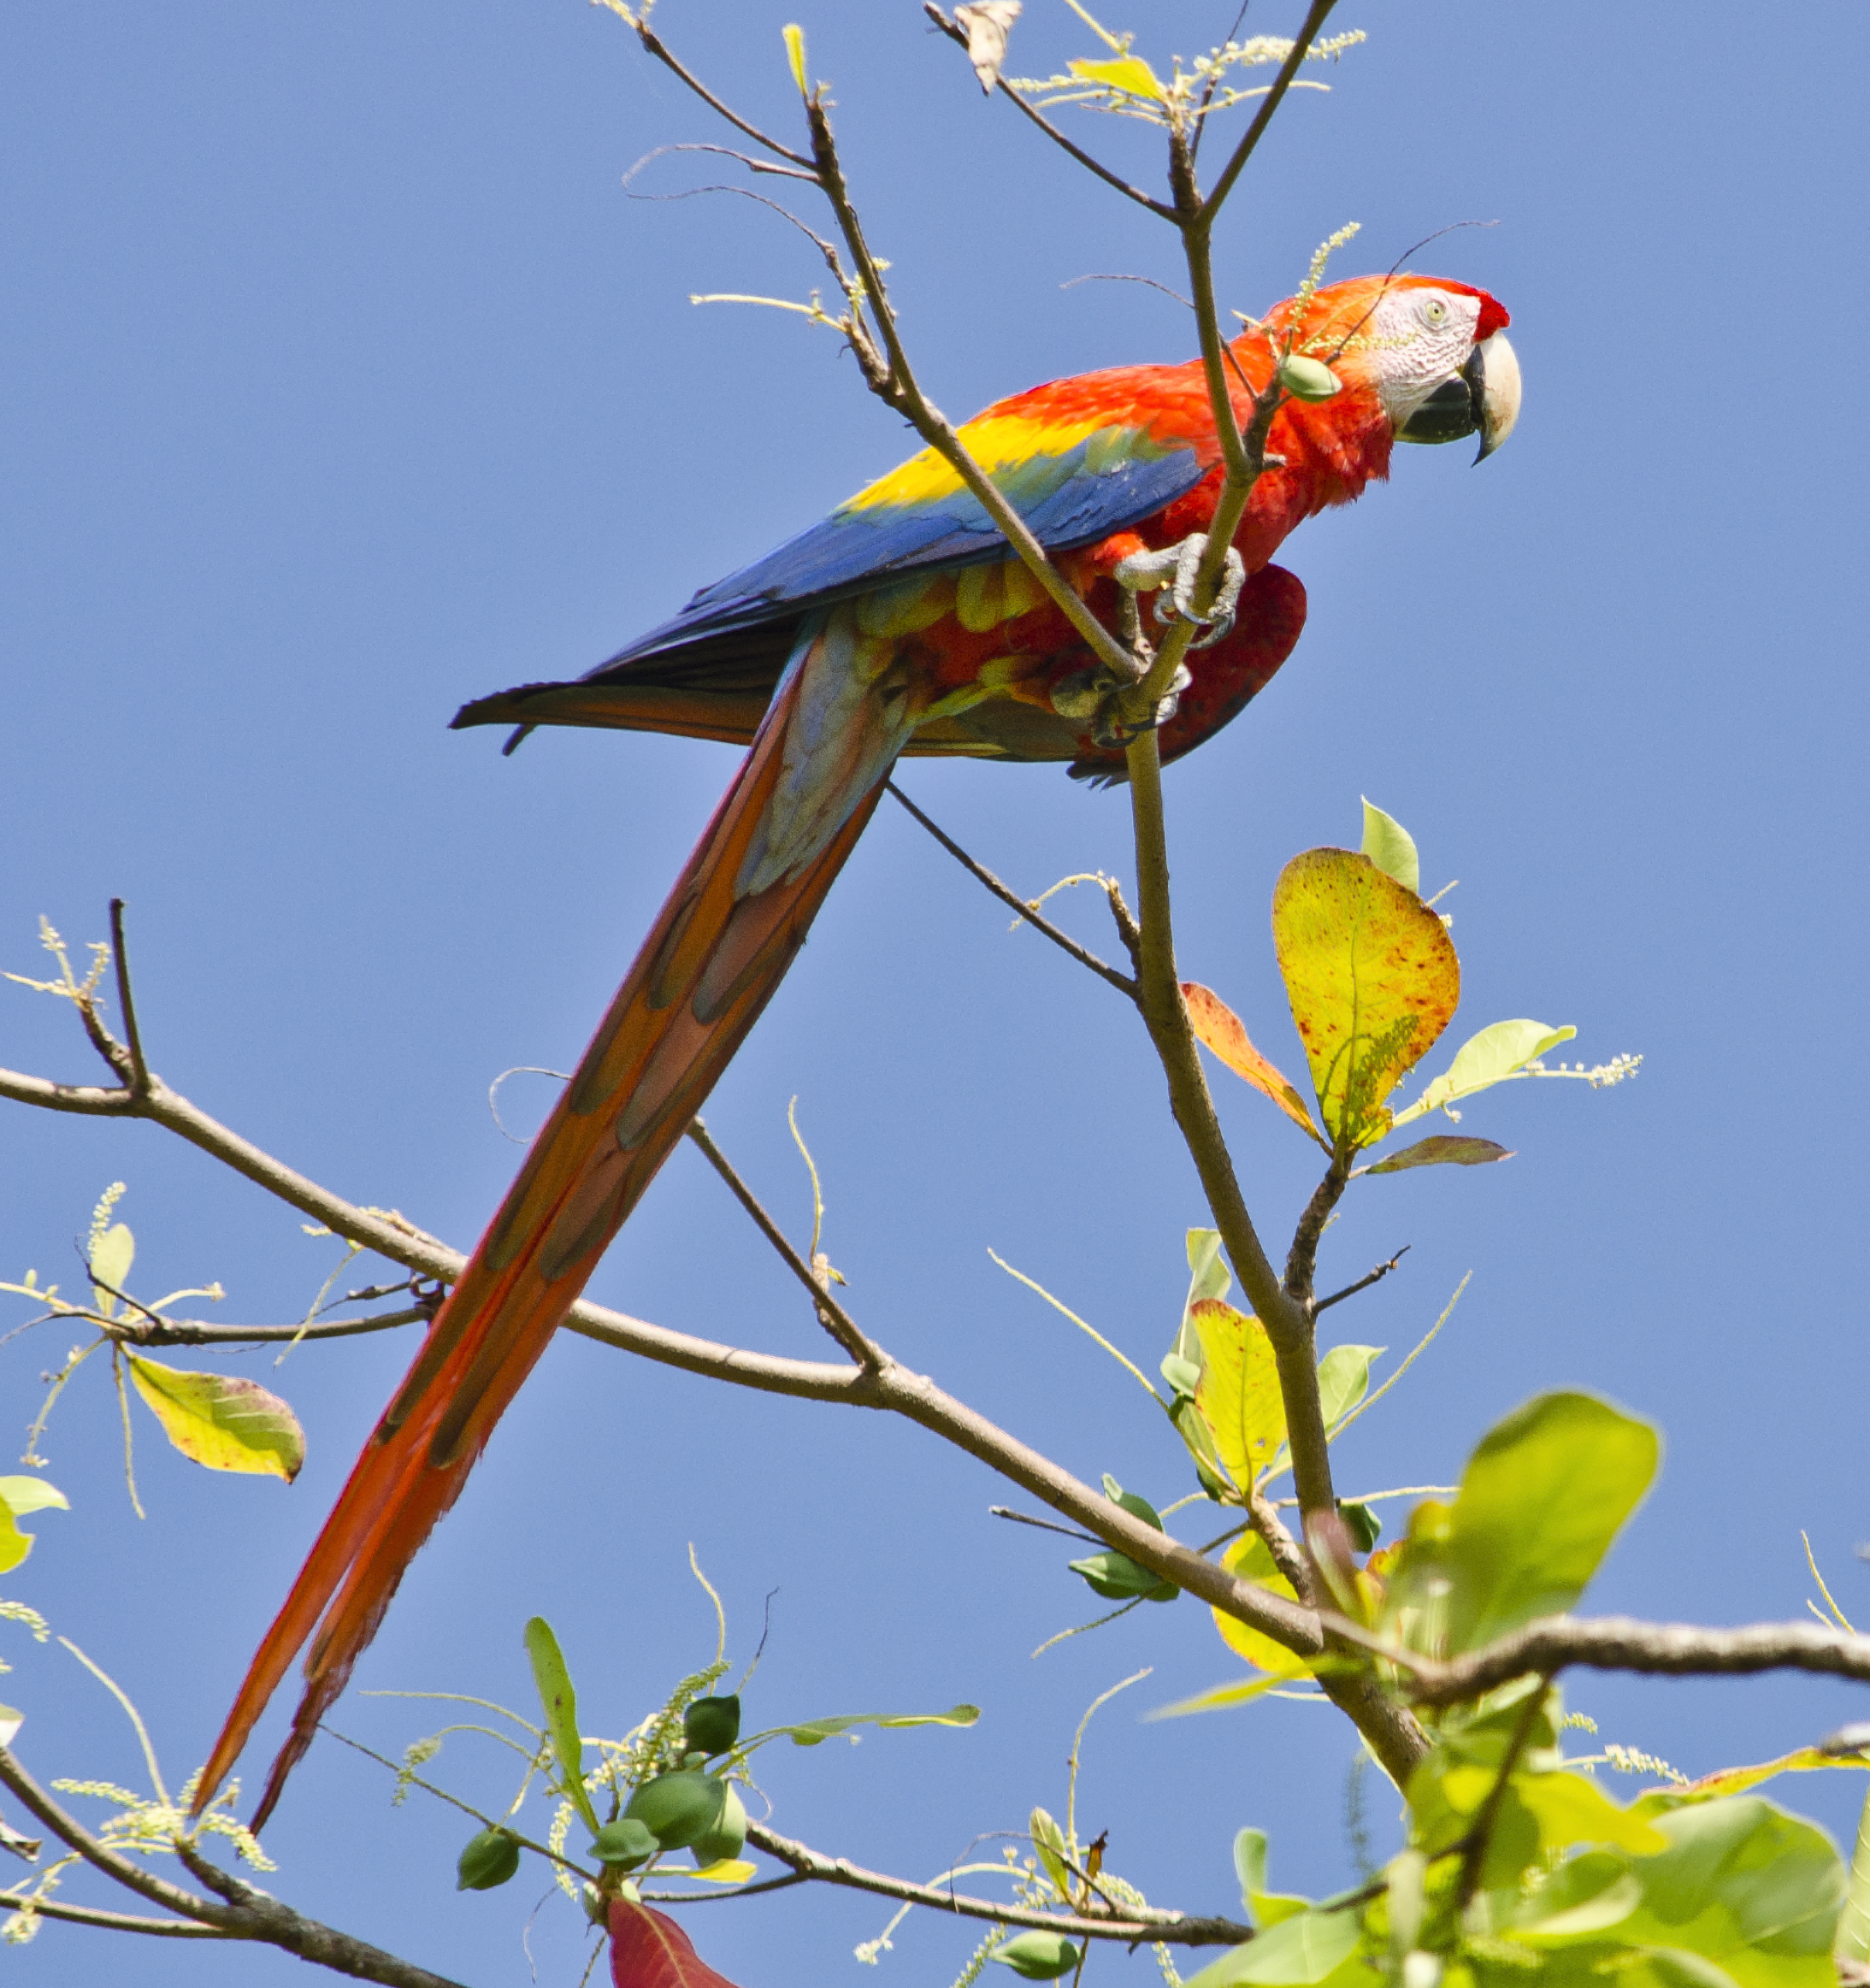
x,y
1496,392
1482,399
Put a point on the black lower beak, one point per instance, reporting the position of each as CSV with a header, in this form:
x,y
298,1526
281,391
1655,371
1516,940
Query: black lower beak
x,y
1456,408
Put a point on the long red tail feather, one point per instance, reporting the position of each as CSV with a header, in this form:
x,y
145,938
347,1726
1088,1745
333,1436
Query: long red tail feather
x,y
709,964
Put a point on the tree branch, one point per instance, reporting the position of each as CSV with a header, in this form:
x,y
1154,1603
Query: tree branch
x,y
831,1314
246,1914
1091,165
1175,1928
1620,1642
1122,981
113,1921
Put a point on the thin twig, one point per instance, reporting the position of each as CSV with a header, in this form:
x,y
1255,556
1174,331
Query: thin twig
x,y
1269,105
1176,1928
1474,1850
200,1332
1122,981
1363,1283
831,1314
654,45
115,1921
1091,165
139,1071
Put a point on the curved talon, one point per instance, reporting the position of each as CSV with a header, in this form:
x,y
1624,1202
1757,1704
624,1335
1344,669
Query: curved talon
x,y
1176,567
1112,726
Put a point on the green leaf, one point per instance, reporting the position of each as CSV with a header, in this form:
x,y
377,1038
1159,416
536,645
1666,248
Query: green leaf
x,y
814,1731
221,1421
22,1495
1587,1894
1263,1907
1296,1952
1129,74
1544,1496
1117,1578
1853,1940
1391,848
1440,1149
1500,1051
19,1496
1570,1808
111,1256
1343,1379
1050,1849
559,1702
1238,1398
10,1723
1372,978
1746,1885
1208,1277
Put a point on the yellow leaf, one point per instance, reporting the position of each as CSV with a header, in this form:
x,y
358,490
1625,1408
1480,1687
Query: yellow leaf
x,y
1238,1394
1248,1558
794,37
221,1420
1372,978
15,1545
1216,1026
1737,1780
1130,74
727,1871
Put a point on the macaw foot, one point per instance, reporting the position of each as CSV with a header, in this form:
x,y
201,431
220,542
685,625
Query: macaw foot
x,y
1175,568
1101,696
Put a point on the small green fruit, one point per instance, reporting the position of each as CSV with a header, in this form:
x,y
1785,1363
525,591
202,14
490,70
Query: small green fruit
x,y
1039,1956
490,1859
1309,379
627,1841
711,1725
1117,1578
728,1839
679,1808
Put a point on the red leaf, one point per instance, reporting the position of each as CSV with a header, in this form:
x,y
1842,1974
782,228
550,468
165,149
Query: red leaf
x,y
648,1949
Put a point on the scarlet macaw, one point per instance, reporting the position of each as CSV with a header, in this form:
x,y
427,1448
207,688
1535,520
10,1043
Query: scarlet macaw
x,y
898,625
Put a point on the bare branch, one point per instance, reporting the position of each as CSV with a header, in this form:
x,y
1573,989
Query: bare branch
x,y
1363,1283
113,1921
139,1071
1083,955
200,1332
1175,1928
1315,19
654,45
1619,1642
832,1315
1091,165
241,1913
894,382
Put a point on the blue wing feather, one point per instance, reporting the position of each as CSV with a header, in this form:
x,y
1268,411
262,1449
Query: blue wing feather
x,y
1072,500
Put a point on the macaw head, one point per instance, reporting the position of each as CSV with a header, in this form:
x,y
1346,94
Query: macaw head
x,y
1433,352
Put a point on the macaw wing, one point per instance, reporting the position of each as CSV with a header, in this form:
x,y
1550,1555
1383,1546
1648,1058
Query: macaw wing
x,y
1074,483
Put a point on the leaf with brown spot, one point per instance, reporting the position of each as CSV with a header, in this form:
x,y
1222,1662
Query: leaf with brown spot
x,y
1220,1029
223,1421
1373,980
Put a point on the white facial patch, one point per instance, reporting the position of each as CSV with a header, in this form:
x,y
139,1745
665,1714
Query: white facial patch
x,y
1416,340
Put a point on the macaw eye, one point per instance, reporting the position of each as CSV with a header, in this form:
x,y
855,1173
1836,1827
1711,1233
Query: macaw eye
x,y
1434,313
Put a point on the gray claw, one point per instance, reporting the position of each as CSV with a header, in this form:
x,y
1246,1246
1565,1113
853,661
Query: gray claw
x,y
1175,568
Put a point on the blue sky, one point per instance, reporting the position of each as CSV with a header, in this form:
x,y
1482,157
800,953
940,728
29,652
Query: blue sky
x,y
342,381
